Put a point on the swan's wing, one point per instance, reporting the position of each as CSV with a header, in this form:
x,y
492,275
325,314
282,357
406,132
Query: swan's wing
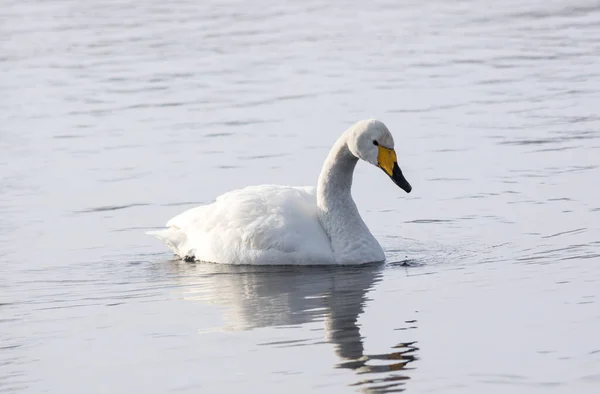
x,y
256,225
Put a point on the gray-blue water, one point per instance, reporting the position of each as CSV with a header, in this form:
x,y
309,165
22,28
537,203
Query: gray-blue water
x,y
117,115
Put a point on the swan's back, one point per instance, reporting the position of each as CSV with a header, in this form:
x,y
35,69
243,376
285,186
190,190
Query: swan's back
x,y
265,224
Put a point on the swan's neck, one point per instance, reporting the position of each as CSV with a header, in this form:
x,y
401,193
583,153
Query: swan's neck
x,y
335,180
351,240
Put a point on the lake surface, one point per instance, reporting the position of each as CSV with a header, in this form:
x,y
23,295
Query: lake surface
x,y
117,115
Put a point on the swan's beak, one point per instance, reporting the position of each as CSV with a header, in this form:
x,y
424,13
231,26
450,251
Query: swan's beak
x,y
386,160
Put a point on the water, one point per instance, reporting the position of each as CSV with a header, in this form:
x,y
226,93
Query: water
x,y
117,115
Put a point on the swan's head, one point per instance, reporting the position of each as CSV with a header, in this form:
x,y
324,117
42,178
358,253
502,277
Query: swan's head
x,y
371,141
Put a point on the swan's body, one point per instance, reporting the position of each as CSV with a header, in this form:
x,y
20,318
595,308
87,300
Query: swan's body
x,y
271,224
264,224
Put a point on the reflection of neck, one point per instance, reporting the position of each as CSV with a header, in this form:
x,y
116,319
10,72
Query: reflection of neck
x,y
351,240
341,324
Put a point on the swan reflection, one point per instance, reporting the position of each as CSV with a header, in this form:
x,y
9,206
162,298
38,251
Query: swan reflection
x,y
265,296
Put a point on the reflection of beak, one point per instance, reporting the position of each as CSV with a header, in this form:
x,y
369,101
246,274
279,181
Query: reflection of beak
x,y
386,160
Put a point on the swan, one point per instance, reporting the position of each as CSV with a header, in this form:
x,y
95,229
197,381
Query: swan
x,y
289,225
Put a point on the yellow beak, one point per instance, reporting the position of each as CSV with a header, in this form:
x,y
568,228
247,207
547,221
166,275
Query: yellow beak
x,y
387,161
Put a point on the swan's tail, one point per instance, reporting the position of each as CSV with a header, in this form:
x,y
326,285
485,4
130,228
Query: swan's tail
x,y
173,237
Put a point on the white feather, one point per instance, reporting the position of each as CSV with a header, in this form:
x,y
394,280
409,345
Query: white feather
x,y
272,224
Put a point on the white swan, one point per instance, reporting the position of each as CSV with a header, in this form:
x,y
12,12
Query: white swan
x,y
289,225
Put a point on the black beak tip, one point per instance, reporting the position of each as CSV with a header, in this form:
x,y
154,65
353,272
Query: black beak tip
x,y
400,180
405,186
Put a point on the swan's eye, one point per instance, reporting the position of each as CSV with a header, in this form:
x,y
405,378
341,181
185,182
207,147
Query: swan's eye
x,y
375,142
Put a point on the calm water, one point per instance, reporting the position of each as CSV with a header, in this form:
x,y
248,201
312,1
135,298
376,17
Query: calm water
x,y
116,115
